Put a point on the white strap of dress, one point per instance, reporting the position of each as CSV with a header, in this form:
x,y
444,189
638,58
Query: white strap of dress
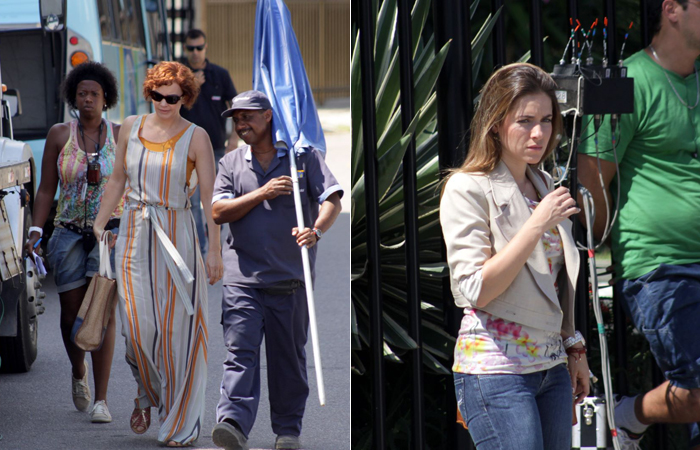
x,y
176,265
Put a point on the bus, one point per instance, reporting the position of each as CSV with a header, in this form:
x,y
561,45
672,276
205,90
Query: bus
x,y
42,40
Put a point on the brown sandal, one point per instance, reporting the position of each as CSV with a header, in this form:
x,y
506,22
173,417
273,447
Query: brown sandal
x,y
140,420
177,444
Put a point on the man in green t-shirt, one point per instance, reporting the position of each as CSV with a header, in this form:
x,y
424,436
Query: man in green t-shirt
x,y
656,238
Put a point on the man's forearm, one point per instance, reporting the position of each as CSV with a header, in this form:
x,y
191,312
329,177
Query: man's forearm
x,y
590,177
329,211
233,209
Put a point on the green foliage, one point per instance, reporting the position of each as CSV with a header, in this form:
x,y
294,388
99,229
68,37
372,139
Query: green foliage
x,y
391,147
437,344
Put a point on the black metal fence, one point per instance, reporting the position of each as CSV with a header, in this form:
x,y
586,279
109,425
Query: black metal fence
x,y
455,94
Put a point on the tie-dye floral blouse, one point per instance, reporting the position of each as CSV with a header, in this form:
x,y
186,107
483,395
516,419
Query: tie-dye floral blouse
x,y
79,203
488,344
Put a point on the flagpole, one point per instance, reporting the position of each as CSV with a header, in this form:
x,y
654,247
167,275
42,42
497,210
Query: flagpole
x,y
308,282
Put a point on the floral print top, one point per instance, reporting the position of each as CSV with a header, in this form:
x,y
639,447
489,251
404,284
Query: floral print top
x,y
79,203
488,344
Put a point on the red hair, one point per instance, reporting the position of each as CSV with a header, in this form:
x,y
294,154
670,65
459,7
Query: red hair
x,y
168,72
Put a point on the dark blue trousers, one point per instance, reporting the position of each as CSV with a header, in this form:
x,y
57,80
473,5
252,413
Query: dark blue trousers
x,y
248,316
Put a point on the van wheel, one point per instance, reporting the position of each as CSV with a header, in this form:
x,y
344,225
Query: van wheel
x,y
19,352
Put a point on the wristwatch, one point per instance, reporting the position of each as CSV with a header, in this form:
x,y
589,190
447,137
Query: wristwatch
x,y
318,233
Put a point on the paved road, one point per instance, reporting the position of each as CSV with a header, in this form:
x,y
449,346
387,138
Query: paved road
x,y
37,413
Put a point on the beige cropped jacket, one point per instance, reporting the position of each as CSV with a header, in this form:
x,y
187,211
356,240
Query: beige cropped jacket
x,y
480,213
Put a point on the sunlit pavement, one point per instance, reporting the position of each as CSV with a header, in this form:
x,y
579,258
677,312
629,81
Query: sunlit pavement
x,y
36,410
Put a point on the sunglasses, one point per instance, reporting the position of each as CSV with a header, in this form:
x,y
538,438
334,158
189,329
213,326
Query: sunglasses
x,y
191,48
169,99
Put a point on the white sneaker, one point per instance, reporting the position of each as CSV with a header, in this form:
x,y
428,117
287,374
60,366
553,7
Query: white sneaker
x,y
100,413
81,391
628,440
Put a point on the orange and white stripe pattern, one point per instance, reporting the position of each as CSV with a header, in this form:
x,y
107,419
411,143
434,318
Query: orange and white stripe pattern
x,y
166,346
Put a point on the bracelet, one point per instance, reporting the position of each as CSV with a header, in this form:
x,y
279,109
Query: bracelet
x,y
576,351
573,340
37,229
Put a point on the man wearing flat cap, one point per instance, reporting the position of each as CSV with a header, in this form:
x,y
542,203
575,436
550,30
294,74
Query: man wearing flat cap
x,y
263,287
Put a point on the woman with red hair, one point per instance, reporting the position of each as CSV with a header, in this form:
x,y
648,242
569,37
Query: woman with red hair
x,y
160,269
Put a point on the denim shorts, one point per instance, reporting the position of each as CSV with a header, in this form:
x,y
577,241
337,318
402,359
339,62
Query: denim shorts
x,y
71,265
517,411
665,306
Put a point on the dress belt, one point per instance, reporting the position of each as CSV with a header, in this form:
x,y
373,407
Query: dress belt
x,y
176,265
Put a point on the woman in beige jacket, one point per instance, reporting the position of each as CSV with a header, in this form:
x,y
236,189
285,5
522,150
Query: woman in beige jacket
x,y
513,267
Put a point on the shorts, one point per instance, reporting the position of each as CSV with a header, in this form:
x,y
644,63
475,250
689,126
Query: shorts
x,y
665,306
71,265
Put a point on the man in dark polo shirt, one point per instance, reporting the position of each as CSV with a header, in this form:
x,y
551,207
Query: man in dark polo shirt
x,y
263,289
216,90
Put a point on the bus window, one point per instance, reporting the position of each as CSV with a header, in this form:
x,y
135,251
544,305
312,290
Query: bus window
x,y
130,20
109,30
156,30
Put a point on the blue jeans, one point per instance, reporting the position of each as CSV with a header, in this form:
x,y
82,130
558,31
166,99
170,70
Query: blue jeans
x,y
664,305
517,412
70,263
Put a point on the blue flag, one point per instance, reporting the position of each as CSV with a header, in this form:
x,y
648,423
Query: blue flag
x,y
278,71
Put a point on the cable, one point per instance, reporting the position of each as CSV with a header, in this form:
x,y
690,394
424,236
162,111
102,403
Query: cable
x,y
604,354
608,222
577,112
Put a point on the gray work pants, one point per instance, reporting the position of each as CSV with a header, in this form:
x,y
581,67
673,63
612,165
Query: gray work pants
x,y
248,315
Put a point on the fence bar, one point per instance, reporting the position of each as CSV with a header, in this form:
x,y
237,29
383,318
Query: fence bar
x,y
411,222
454,112
499,36
536,44
454,85
620,339
644,19
369,133
572,9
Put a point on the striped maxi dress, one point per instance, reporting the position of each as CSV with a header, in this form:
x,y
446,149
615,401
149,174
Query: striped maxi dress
x,y
162,287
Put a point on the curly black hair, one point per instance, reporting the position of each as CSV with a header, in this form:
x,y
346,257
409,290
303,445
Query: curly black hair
x,y
90,70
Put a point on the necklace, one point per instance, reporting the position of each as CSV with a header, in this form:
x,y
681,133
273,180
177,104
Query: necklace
x,y
697,82
97,142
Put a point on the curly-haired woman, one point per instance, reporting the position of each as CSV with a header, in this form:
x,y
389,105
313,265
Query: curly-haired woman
x,y
79,155
160,271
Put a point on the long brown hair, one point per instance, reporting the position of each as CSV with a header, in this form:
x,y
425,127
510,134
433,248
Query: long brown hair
x,y
500,93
